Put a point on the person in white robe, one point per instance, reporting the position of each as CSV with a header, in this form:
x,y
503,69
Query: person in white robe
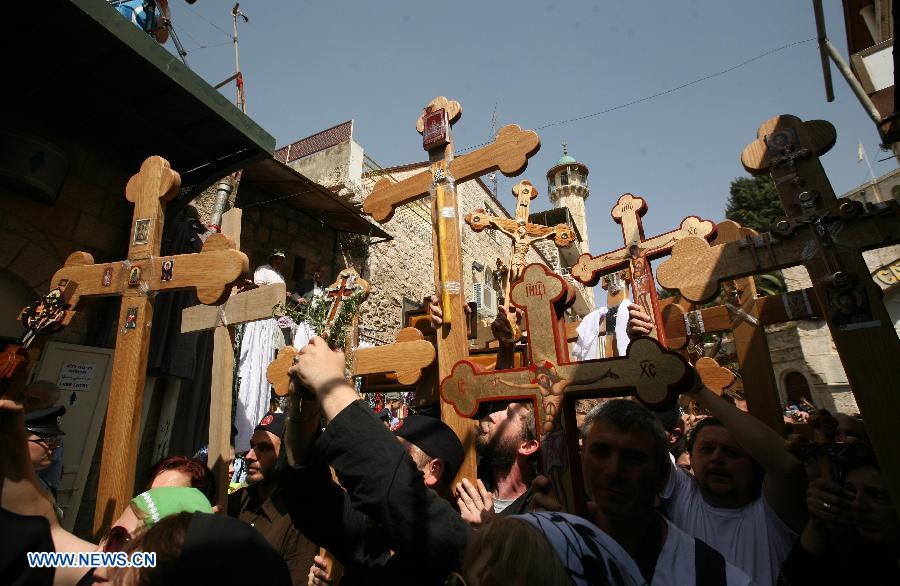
x,y
259,345
590,345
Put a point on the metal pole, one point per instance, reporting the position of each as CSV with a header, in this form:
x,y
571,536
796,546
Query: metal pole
x,y
823,54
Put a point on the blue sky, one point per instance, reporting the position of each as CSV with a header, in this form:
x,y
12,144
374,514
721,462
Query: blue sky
x,y
311,64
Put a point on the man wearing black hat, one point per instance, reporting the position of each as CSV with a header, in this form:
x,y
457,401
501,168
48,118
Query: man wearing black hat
x,y
43,439
392,524
262,503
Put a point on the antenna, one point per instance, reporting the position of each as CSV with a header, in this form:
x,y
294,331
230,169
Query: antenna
x,y
241,98
493,176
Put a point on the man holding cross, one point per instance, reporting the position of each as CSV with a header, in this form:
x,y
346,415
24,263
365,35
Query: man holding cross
x,y
746,495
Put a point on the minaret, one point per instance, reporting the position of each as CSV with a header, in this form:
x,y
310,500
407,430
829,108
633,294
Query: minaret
x,y
567,186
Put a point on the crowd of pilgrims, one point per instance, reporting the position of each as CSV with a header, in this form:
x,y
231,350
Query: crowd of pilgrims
x,y
708,495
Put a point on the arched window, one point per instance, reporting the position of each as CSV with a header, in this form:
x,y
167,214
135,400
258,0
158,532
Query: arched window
x,y
564,178
795,387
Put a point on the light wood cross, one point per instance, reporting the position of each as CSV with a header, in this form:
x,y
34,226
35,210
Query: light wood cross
x,y
509,153
522,232
745,315
244,307
827,235
637,254
137,279
654,375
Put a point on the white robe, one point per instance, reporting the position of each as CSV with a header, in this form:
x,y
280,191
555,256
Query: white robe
x,y
259,345
304,332
590,345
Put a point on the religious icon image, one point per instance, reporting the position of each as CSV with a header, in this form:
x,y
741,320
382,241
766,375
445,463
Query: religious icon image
x,y
167,267
850,308
107,277
134,276
131,318
141,231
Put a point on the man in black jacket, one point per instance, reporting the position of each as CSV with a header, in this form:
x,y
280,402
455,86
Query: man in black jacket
x,y
389,524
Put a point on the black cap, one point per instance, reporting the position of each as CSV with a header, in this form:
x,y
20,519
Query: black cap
x,y
272,422
211,539
436,439
45,421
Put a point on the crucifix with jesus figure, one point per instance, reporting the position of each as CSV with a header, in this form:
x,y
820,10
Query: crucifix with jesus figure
x,y
648,371
136,280
523,234
508,153
827,235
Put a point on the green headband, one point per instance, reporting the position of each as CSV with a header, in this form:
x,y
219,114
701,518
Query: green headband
x,y
158,503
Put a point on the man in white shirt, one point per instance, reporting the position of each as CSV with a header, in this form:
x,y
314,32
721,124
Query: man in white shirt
x,y
625,465
747,495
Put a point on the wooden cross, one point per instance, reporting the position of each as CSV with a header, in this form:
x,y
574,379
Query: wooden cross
x,y
405,359
137,279
654,375
522,232
509,153
827,235
241,308
637,254
745,315
347,284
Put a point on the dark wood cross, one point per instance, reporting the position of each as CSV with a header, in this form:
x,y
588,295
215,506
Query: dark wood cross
x,y
347,284
509,153
651,373
136,280
637,254
827,235
753,356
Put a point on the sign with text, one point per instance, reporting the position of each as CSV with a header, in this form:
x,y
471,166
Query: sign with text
x,y
75,376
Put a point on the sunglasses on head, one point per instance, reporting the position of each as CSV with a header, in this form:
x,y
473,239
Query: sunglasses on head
x,y
116,538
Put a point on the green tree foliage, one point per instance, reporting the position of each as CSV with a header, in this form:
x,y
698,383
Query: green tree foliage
x,y
754,203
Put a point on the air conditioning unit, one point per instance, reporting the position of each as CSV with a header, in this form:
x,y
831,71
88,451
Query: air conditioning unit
x,y
488,301
477,296
32,166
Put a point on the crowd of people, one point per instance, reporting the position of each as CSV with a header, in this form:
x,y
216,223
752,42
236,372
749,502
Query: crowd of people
x,y
334,495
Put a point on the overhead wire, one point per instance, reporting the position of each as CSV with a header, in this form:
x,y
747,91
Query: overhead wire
x,y
659,94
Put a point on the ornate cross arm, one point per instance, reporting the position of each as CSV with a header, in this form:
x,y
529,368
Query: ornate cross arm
x,y
405,359
509,153
654,375
588,269
186,271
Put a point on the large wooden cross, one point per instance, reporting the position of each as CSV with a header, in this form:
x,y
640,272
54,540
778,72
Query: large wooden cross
x,y
651,373
243,307
827,235
637,254
137,279
509,153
